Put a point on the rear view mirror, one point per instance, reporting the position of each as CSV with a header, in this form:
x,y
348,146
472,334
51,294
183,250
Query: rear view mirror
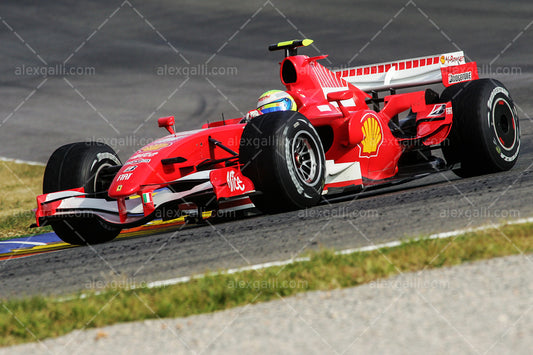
x,y
167,122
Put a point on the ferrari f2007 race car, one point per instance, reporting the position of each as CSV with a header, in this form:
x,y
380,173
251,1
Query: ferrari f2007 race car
x,y
330,132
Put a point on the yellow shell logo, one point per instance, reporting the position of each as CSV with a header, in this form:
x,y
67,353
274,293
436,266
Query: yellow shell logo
x,y
442,59
373,137
155,146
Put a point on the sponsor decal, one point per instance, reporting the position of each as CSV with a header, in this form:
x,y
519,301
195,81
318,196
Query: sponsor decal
x,y
124,177
155,146
234,181
119,187
449,111
138,161
144,155
373,136
452,59
130,168
438,110
458,78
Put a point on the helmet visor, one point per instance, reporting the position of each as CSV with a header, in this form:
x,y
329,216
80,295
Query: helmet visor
x,y
279,105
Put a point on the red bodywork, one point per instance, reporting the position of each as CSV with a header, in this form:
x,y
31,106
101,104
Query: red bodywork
x,y
351,132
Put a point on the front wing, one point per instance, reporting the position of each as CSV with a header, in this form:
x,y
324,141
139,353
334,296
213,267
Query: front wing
x,y
227,186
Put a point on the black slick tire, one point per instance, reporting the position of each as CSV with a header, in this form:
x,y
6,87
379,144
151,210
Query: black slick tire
x,y
78,165
282,154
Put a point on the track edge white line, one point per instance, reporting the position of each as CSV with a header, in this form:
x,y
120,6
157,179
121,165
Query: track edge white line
x,y
391,244
374,247
19,161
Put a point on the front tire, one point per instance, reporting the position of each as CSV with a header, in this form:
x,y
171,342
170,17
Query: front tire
x,y
485,134
282,154
79,165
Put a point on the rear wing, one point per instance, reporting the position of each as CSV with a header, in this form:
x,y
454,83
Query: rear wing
x,y
449,68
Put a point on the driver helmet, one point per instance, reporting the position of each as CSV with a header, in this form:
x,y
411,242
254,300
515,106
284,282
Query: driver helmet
x,y
275,100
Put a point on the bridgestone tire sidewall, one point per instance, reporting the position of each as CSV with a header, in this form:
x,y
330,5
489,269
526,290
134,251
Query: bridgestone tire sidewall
x,y
473,140
502,157
302,194
270,165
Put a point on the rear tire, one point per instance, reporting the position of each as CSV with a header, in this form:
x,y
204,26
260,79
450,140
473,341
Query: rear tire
x,y
282,154
78,165
485,134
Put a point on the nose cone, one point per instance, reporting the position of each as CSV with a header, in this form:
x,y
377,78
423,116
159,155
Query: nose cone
x,y
145,168
127,181
138,169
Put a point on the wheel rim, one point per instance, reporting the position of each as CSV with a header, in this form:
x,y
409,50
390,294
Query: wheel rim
x,y
305,158
99,185
504,123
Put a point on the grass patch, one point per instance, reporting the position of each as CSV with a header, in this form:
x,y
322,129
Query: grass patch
x,y
19,186
24,320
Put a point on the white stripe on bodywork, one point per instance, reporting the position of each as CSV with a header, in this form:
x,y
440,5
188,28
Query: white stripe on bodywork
x,y
108,210
341,172
62,194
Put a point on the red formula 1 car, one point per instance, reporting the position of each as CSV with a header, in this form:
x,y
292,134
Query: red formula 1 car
x,y
342,138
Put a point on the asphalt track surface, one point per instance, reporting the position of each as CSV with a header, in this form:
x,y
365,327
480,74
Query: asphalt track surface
x,y
125,50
